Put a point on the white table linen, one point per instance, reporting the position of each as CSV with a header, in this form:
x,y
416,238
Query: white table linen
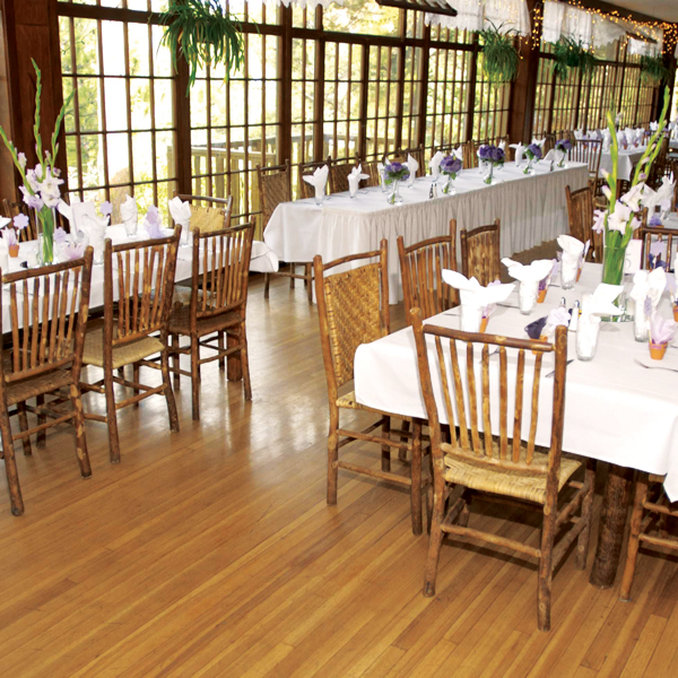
x,y
615,409
532,208
626,162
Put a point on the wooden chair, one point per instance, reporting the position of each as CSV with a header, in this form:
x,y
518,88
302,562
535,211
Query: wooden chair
x,y
421,268
480,250
48,312
209,213
652,235
339,171
134,328
275,187
580,219
661,164
588,151
372,169
353,309
9,210
649,515
469,152
501,466
305,189
216,309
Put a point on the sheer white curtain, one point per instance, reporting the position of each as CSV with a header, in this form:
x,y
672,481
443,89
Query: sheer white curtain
x,y
473,15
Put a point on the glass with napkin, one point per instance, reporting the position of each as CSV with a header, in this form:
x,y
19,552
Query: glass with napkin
x,y
319,181
129,214
646,292
593,306
529,276
181,213
355,176
570,259
413,166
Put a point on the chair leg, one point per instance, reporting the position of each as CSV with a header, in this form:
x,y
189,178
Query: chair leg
x,y
79,426
135,379
111,418
16,500
586,514
267,281
42,418
634,536
386,449
434,543
402,452
220,344
169,394
23,425
195,378
245,363
176,359
415,475
332,457
308,281
545,570
293,270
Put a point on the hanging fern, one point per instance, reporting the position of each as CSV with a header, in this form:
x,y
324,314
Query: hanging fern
x,y
652,70
569,54
500,57
204,33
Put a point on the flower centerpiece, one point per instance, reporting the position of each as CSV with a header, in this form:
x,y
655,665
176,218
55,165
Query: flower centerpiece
x,y
40,189
621,217
563,146
450,165
394,173
533,153
491,156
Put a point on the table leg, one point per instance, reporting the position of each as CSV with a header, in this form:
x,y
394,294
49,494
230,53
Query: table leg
x,y
612,524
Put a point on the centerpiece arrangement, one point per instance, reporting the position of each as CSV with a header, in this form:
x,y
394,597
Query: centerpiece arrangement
x,y
40,188
621,217
394,173
491,156
533,153
450,165
563,146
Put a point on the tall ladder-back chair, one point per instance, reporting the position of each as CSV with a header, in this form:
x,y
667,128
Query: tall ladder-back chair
x,y
580,220
480,252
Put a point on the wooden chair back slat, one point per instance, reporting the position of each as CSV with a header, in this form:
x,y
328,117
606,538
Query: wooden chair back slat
x,y
472,399
339,171
47,311
518,409
487,423
480,252
503,404
275,186
660,237
446,389
421,266
352,308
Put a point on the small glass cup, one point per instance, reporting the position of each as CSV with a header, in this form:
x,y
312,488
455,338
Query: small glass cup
x,y
131,228
470,318
568,276
527,295
586,340
641,324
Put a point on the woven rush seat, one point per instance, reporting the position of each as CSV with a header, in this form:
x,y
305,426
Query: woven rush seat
x,y
180,320
477,473
93,353
22,390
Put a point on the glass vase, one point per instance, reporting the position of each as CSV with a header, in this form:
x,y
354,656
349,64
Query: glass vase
x,y
488,179
448,186
45,222
613,264
393,197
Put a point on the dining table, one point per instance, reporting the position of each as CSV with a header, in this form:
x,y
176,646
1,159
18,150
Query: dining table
x,y
620,407
531,207
627,159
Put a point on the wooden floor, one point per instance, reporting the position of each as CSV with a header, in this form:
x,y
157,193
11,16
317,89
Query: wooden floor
x,y
211,552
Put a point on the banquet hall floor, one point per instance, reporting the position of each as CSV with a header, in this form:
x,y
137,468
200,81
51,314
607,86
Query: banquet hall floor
x,y
212,552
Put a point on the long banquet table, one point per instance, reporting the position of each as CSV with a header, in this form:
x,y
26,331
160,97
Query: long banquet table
x,y
532,208
616,410
626,161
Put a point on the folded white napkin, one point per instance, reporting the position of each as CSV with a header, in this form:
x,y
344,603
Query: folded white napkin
x,y
648,285
639,136
434,163
181,213
413,166
529,275
551,156
65,209
654,126
539,142
621,139
607,139
662,196
4,221
475,298
519,151
570,260
129,214
355,176
630,134
318,180
502,145
94,229
579,134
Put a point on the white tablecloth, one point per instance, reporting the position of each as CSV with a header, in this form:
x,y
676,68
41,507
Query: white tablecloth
x,y
531,209
626,161
615,410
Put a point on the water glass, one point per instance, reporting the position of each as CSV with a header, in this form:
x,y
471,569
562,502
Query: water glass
x,y
586,340
527,295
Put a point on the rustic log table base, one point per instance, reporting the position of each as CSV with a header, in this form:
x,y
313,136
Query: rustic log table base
x,y
612,523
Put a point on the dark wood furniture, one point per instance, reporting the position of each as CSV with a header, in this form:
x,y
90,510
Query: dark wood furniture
x,y
580,220
658,237
480,252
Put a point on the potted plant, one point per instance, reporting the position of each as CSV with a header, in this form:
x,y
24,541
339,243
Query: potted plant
x,y
204,32
569,54
500,57
652,70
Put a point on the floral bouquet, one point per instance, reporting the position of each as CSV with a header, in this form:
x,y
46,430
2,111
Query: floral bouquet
x,y
533,153
621,217
563,146
492,156
450,166
40,189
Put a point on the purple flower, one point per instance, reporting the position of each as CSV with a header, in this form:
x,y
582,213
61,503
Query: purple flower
x,y
106,208
564,145
484,152
20,221
492,154
33,201
396,170
533,152
450,164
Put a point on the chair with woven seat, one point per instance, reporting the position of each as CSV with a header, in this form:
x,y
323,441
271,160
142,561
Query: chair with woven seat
x,y
421,266
275,186
480,252
580,219
134,328
216,310
650,514
658,244
482,398
209,213
339,171
352,297
47,311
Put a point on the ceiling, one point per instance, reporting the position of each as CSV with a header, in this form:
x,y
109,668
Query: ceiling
x,y
665,10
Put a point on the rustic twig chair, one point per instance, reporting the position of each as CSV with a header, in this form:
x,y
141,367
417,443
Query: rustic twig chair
x,y
580,219
209,213
216,310
137,304
653,236
11,209
469,154
275,186
353,309
421,268
417,153
649,515
305,168
339,171
482,397
47,309
480,252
